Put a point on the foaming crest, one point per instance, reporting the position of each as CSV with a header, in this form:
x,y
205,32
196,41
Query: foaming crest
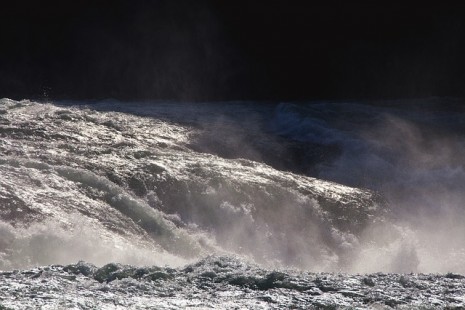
x,y
49,242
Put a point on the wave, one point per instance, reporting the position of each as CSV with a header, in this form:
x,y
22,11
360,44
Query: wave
x,y
139,184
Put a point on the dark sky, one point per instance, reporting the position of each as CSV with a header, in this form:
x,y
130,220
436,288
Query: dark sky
x,y
227,50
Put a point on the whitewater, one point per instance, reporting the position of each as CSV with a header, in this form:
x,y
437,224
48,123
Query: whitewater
x,y
231,204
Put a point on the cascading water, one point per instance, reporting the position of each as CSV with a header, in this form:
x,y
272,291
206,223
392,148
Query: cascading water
x,y
282,186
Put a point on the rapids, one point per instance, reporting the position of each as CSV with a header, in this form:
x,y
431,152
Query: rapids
x,y
281,185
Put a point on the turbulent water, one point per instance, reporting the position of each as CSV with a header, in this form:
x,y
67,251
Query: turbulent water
x,y
312,187
223,283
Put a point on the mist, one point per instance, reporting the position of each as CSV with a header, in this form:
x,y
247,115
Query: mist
x,y
420,172
409,152
413,156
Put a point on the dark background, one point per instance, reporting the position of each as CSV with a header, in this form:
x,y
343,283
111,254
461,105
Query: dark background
x,y
227,50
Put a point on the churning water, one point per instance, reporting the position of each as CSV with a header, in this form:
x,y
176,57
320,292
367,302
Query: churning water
x,y
320,186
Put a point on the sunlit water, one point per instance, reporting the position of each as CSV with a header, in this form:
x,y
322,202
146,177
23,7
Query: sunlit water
x,y
348,187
